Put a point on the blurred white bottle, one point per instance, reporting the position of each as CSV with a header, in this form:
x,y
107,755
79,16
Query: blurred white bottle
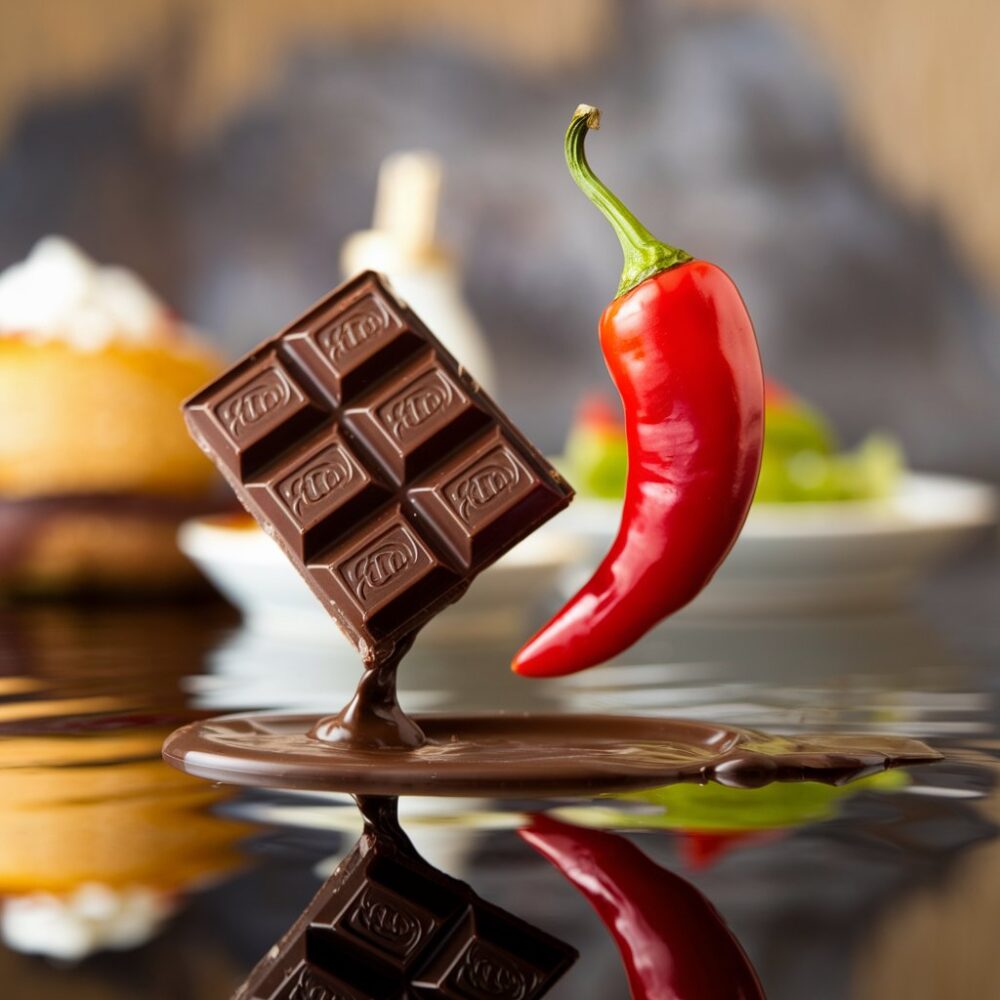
x,y
401,244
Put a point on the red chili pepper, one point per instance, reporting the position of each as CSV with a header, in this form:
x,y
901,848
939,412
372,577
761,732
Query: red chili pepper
x,y
680,348
673,942
702,848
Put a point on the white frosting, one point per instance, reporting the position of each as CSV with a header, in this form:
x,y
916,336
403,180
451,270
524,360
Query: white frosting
x,y
59,293
93,918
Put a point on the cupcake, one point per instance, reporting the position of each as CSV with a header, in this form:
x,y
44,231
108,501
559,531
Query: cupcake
x,y
96,470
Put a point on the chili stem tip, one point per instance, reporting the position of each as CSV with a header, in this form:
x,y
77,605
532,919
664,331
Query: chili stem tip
x,y
592,114
644,254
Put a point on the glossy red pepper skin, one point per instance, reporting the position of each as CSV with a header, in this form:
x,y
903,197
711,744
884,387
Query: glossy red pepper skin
x,y
673,942
680,348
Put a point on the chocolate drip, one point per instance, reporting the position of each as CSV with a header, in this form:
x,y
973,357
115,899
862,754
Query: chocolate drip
x,y
381,817
373,718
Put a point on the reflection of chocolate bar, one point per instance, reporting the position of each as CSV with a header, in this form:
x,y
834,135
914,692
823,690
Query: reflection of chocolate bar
x,y
387,475
387,925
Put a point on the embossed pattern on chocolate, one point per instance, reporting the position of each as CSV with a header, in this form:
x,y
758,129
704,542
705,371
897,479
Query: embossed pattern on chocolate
x,y
387,925
389,478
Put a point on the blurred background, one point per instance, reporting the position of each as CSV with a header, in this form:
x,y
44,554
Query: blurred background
x,y
839,159
839,162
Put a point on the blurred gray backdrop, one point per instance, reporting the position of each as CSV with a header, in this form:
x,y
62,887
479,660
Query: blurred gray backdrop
x,y
723,130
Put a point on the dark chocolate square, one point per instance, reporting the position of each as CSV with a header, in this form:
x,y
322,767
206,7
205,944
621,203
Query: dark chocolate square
x,y
412,422
307,982
323,483
346,341
394,927
317,494
257,409
258,403
384,574
386,474
493,955
470,500
484,971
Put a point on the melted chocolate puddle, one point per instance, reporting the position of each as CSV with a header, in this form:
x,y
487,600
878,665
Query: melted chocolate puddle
x,y
371,747
520,754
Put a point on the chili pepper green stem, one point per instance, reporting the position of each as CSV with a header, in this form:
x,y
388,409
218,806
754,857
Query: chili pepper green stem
x,y
645,255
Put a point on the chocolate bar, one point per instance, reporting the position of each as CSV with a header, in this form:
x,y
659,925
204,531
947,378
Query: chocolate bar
x,y
388,926
386,474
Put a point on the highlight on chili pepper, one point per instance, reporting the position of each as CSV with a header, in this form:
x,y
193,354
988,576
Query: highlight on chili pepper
x,y
680,347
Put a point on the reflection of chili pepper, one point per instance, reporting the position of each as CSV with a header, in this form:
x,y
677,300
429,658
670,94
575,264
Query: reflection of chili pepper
x,y
673,942
681,350
702,848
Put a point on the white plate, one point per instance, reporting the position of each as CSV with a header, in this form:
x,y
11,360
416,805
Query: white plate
x,y
789,558
250,570
815,556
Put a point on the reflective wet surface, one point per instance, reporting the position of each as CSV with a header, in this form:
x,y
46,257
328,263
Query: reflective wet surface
x,y
132,879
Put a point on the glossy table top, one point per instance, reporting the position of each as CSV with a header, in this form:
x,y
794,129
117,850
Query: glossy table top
x,y
888,887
